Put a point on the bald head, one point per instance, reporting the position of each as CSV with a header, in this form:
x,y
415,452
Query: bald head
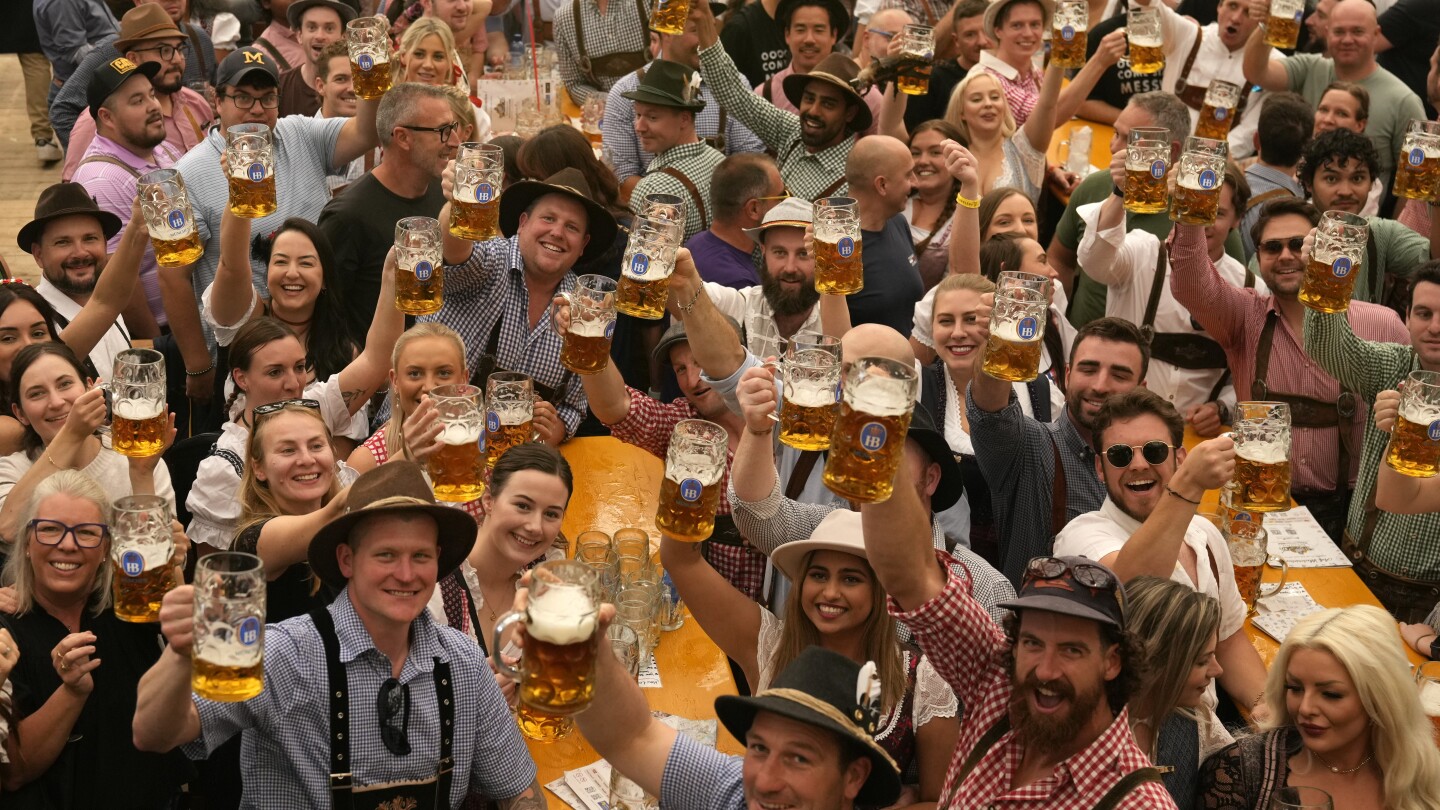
x,y
880,171
1351,37
876,340
884,26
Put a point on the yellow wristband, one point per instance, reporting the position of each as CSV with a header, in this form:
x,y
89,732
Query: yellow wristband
x,y
964,202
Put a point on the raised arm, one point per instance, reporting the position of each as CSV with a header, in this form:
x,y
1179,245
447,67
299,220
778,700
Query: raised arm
x,y
1154,548
369,371
729,617
619,725
285,540
1259,68
774,126
752,473
716,346
965,232
64,453
1103,249
899,545
233,291
1213,302
1063,104
112,292
609,398
165,713
989,394
358,135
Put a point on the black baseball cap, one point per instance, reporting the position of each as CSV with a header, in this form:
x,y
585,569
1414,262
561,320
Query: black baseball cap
x,y
108,78
1074,586
243,65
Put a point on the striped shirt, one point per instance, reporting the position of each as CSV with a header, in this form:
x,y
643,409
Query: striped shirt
x,y
622,147
1407,545
1235,317
619,30
697,161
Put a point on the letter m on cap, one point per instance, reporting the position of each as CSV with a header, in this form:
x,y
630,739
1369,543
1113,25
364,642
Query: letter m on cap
x,y
254,58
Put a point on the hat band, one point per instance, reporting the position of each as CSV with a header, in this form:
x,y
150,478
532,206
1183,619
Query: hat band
x,y
393,500
817,705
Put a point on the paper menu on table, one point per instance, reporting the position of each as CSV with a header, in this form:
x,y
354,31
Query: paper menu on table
x,y
591,784
1278,614
588,787
649,674
1297,538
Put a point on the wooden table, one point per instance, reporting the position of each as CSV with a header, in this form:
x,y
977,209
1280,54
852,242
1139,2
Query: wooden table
x,y
617,486
1099,143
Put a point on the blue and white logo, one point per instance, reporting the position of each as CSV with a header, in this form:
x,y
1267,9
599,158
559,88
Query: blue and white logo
x,y
639,264
1067,33
1299,15
1245,517
609,330
1341,267
424,270
132,563
250,631
1209,179
365,61
492,422
176,219
1416,156
1157,169
846,246
1434,431
1027,329
256,172
484,193
1221,113
872,436
690,489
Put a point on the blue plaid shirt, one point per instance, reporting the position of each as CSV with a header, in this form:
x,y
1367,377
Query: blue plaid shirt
x,y
490,285
283,752
697,777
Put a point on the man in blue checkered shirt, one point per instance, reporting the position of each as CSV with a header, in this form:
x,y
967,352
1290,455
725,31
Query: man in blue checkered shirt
x,y
368,702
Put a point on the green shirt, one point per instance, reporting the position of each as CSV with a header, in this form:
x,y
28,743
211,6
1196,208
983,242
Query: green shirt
x,y
1392,104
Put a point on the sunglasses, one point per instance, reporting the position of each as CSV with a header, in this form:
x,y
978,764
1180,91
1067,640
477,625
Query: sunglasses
x,y
1087,574
1154,452
276,407
1272,247
393,709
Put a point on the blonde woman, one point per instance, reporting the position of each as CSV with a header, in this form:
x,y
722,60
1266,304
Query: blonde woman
x,y
427,55
1007,155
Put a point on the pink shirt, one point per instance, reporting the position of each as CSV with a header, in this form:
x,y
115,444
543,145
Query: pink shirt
x,y
1022,93
291,55
1415,215
777,97
190,115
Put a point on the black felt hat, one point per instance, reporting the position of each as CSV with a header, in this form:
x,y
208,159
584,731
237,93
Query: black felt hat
x,y
63,200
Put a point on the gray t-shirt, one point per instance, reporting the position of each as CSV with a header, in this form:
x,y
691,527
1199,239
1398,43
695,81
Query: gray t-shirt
x,y
1392,104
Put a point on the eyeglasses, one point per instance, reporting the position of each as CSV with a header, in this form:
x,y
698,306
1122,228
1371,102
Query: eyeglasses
x,y
268,101
444,130
276,407
1087,574
393,708
52,532
166,52
1272,247
1120,455
784,195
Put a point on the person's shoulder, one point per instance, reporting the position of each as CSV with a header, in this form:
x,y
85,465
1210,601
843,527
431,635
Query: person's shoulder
x,y
1094,188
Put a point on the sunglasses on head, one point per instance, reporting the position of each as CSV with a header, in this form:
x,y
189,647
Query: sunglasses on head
x,y
1272,247
1154,452
276,407
1087,574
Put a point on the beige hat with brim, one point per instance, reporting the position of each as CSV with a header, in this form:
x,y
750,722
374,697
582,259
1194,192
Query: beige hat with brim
x,y
996,7
839,531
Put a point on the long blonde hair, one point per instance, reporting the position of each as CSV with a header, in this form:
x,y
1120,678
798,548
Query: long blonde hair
x,y
395,427
418,31
1176,622
257,500
18,573
955,108
1364,640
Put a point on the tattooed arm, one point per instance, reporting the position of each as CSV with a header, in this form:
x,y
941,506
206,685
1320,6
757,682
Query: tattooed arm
x,y
367,373
529,799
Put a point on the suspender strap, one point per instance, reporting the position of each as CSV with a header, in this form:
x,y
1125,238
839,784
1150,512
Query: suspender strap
x,y
445,696
929,10
284,63
1307,411
1266,196
695,195
587,66
1126,786
801,473
1184,80
1057,490
114,161
982,747
832,188
1147,323
1055,344
341,774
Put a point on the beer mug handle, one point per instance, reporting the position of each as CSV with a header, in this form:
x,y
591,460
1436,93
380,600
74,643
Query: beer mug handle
x,y
1420,676
1284,574
555,311
495,647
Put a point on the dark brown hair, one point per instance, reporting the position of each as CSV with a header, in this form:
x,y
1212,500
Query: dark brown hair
x,y
1137,402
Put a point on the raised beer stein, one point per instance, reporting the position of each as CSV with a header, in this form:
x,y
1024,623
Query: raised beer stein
x,y
586,340
1417,170
1415,440
169,218
419,266
1146,38
1249,555
668,16
510,420
141,545
645,269
1017,327
137,388
250,169
869,439
1197,189
1282,29
479,175
917,53
690,493
229,627
368,39
839,265
1068,33
457,469
557,665
1262,456
666,212
1335,261
1147,167
811,376
1217,114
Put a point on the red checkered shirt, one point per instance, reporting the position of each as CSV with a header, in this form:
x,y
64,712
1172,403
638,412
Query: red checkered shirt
x,y
1022,91
648,425
970,653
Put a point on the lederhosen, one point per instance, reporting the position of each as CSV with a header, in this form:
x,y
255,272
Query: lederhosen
x,y
1194,95
423,794
613,65
1186,350
718,139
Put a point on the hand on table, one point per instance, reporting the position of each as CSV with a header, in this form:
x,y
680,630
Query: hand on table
x,y
1414,634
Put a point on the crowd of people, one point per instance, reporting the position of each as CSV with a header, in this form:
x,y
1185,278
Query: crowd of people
x,y
1038,615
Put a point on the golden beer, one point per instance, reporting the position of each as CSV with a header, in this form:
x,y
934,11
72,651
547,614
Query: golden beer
x,y
542,727
1214,122
586,348
557,664
1249,562
865,453
253,198
137,429
1008,356
807,419
457,467
1414,446
1417,174
687,507
178,252
642,298
1262,476
914,78
593,134
839,266
138,597
1145,191
668,16
225,684
1196,205
371,76
1067,46
1146,59
501,437
475,221
1328,285
1282,32
420,290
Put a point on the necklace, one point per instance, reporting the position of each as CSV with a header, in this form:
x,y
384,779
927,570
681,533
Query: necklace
x,y
1333,769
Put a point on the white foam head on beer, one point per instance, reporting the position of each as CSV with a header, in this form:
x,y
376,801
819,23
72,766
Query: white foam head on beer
x,y
561,615
1430,698
1418,412
514,413
1262,452
1147,40
588,328
809,394
460,433
880,396
139,409
701,468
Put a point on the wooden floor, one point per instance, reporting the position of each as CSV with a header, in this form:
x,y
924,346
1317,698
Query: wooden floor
x,y
21,176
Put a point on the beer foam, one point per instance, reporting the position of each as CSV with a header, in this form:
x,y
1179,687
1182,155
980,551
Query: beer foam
x,y
1246,554
138,410
590,329
811,395
460,433
879,396
1419,414
561,615
699,467
1262,452
513,413
1147,41
1010,331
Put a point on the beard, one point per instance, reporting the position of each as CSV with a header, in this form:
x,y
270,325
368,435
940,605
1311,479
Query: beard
x,y
787,303
1045,733
168,82
64,284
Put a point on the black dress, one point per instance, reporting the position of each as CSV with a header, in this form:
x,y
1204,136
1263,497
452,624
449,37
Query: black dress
x,y
295,592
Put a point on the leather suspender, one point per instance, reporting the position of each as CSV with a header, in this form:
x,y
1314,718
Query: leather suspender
x,y
1152,306
113,161
1183,82
832,188
1307,411
1265,197
280,57
586,64
1057,490
695,195
801,473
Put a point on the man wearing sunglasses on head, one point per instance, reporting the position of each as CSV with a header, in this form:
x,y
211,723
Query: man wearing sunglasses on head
x,y
1148,526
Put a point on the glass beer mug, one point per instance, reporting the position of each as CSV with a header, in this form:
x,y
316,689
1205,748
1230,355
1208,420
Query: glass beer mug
x,y
137,388
839,265
1217,114
690,493
646,267
1335,261
141,545
1147,169
229,627
1068,33
369,42
250,168
668,16
1282,29
457,469
1197,189
1017,327
1417,170
917,53
1414,448
1262,456
510,419
169,218
1249,555
479,175
1146,39
811,376
557,665
586,346
419,266
869,439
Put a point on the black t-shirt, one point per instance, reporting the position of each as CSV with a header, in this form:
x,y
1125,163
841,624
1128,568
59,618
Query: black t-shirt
x,y
100,766
1202,11
943,80
1118,83
892,278
297,97
291,594
360,224
755,42
1413,28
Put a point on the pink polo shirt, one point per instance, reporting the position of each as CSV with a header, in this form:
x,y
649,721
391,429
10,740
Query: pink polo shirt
x,y
190,116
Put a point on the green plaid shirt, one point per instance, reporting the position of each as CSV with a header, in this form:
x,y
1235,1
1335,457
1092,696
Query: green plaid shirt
x,y
697,161
1407,545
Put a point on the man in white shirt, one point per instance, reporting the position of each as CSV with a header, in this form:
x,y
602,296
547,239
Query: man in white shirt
x,y
1187,368
1147,525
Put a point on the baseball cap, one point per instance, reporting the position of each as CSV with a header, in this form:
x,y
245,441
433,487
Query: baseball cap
x,y
1074,586
242,65
108,78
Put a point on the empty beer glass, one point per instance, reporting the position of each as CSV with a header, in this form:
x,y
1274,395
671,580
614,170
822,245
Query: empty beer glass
x,y
645,269
593,548
169,218
811,375
672,607
1249,555
666,207
419,266
694,467
635,608
668,16
1146,39
869,439
1017,327
586,345
250,167
839,264
557,665
1415,440
138,422
141,544
632,554
229,627
1262,456
592,116
479,175
457,469
1417,170
1197,189
1335,261
1147,165
1068,33
625,643
368,39
1282,29
1217,114
1301,798
917,54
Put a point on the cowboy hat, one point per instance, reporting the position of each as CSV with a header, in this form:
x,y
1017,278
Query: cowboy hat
x,y
63,200
840,71
571,183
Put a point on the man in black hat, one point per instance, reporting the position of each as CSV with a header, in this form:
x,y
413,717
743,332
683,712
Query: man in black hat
x,y
666,103
316,23
812,30
440,731
498,292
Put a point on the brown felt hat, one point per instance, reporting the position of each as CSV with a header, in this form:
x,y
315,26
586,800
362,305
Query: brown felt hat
x,y
62,200
841,71
145,21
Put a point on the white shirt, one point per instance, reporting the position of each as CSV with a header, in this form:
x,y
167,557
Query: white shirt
x,y
109,469
1125,262
115,340
751,310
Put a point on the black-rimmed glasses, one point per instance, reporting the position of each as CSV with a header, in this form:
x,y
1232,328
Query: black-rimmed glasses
x,y
52,532
444,130
269,101
393,709
1154,452
166,52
